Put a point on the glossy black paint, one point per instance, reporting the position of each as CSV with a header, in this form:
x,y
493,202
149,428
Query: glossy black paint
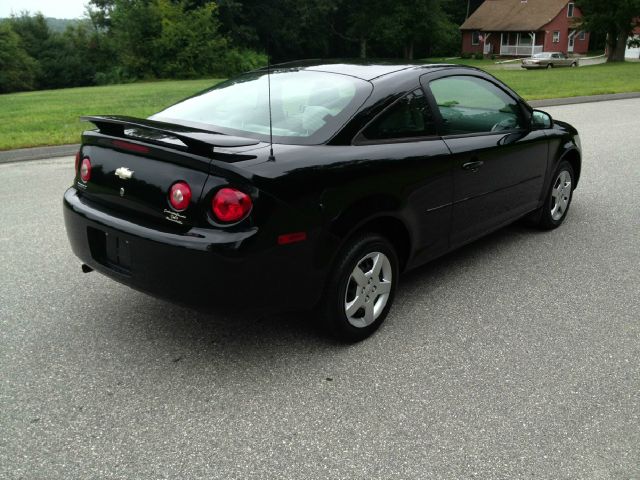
x,y
425,194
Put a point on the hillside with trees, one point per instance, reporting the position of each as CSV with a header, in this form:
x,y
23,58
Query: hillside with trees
x,y
122,41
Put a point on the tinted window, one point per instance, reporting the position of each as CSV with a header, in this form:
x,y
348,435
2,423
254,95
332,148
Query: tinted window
x,y
306,107
473,105
409,117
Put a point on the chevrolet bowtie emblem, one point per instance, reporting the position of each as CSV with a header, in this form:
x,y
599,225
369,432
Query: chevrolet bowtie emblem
x,y
124,173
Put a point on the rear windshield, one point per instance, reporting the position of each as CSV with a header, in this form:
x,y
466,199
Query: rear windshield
x,y
306,107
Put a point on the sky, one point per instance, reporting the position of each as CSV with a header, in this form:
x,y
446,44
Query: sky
x,y
49,8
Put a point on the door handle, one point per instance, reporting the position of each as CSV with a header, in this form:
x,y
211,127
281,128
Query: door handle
x,y
473,166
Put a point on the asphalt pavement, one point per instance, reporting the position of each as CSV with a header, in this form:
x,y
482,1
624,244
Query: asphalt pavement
x,y
515,357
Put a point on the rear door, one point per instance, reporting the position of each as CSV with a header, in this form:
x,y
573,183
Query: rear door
x,y
499,163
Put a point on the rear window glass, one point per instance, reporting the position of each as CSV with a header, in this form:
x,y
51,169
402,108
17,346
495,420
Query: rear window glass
x,y
408,118
307,107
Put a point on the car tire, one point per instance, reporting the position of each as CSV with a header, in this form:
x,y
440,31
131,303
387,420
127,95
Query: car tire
x,y
558,198
361,288
549,65
574,64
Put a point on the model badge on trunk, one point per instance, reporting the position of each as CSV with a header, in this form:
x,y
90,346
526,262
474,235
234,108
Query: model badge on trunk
x,y
124,173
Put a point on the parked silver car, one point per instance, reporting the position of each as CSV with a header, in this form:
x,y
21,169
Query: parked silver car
x,y
549,60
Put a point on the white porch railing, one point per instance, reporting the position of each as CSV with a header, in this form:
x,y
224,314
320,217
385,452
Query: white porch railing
x,y
520,50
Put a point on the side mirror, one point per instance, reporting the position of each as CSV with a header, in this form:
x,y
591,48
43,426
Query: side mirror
x,y
541,120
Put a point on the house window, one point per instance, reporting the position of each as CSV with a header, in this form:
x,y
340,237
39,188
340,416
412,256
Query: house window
x,y
582,36
556,37
570,8
475,38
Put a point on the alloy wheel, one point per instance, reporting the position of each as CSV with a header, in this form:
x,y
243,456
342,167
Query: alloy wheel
x,y
560,195
368,289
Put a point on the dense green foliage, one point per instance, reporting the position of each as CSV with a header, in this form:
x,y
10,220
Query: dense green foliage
x,y
614,19
126,40
17,68
121,41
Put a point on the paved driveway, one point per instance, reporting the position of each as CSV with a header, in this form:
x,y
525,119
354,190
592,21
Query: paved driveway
x,y
516,357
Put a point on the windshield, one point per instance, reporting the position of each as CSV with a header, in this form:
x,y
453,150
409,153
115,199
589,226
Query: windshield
x,y
542,55
307,107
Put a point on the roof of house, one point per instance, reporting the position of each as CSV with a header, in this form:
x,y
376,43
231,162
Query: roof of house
x,y
513,15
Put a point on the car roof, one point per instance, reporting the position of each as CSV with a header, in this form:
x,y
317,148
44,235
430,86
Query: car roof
x,y
363,69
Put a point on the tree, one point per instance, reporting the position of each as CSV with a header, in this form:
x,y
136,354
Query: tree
x,y
411,24
615,19
17,68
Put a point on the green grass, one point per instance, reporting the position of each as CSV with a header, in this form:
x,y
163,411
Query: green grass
x,y
561,82
572,82
51,117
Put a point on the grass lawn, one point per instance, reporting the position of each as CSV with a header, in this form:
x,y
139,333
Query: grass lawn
x,y
51,117
572,82
561,82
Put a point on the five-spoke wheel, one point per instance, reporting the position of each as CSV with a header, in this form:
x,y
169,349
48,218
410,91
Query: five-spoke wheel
x,y
556,205
368,289
361,288
560,195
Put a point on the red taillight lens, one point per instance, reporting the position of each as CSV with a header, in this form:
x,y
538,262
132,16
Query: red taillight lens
x,y
231,205
85,169
180,196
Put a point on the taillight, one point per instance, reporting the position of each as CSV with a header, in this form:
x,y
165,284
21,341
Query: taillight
x,y
85,169
180,196
230,205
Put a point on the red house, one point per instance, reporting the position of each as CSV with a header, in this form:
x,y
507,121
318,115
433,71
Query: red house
x,y
524,27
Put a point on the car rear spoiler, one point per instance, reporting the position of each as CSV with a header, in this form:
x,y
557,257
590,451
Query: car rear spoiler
x,y
200,142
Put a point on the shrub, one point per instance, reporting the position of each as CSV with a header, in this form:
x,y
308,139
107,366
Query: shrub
x,y
237,60
478,56
113,76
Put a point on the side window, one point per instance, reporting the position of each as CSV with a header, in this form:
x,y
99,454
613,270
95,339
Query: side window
x,y
474,105
409,117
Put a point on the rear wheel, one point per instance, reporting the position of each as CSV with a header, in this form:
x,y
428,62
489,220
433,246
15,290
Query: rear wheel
x,y
549,65
361,288
558,200
574,64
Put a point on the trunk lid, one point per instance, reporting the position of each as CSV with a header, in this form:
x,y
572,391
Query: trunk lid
x,y
134,164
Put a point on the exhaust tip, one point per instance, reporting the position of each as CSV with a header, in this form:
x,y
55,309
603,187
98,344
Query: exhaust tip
x,y
86,268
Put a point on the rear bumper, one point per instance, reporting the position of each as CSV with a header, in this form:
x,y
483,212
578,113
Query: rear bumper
x,y
201,267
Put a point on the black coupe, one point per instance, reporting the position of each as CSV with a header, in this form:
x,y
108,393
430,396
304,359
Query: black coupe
x,y
314,185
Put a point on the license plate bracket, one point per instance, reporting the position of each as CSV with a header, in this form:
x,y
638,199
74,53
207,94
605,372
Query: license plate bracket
x,y
111,250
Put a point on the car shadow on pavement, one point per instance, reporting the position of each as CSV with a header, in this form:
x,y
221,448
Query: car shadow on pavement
x,y
185,330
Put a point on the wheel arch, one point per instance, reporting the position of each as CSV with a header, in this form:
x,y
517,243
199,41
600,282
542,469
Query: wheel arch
x,y
377,214
573,157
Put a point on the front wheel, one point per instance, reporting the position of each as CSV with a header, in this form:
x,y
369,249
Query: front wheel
x,y
361,288
558,200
